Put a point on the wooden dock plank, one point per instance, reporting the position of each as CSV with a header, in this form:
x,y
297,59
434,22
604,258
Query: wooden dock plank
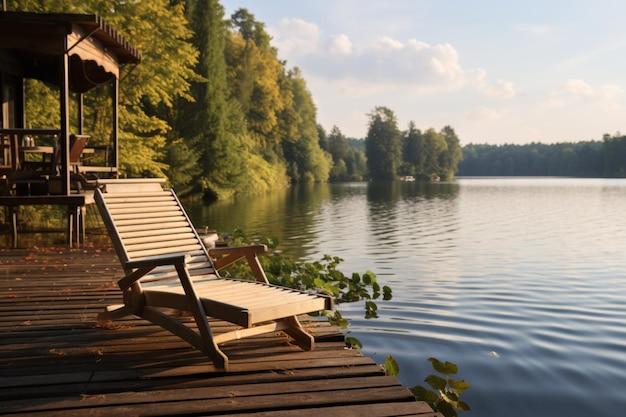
x,y
55,360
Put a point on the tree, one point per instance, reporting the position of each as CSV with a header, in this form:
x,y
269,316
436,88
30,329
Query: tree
x,y
339,150
349,162
255,77
614,150
212,123
307,161
323,138
413,152
160,32
250,29
434,146
357,164
338,145
383,144
451,155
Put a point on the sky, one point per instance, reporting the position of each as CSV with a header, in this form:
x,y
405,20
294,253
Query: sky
x,y
496,71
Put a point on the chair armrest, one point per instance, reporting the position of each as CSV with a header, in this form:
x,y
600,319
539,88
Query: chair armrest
x,y
143,266
240,250
160,261
225,256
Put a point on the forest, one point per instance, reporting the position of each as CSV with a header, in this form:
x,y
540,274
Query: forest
x,y
606,158
213,109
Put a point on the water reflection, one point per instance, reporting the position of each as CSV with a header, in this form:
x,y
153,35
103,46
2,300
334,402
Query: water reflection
x,y
531,269
289,215
312,220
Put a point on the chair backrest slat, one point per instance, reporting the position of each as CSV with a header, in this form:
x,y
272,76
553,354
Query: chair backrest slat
x,y
151,228
146,233
152,241
148,221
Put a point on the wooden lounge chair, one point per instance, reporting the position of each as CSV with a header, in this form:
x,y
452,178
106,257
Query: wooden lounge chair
x,y
168,268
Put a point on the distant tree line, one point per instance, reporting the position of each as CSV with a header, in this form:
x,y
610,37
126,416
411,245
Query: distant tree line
x,y
606,158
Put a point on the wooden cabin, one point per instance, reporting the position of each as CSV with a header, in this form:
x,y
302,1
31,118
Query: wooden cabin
x,y
71,60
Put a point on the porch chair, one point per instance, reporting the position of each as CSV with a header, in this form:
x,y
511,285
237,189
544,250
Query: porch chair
x,y
169,269
77,146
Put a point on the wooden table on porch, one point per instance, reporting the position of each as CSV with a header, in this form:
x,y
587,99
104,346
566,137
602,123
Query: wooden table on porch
x,y
75,204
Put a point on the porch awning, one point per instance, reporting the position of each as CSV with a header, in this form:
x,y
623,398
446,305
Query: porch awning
x,y
36,42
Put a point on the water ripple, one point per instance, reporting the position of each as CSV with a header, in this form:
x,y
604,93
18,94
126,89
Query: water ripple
x,y
521,282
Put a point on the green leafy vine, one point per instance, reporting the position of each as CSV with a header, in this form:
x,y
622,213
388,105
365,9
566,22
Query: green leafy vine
x,y
445,395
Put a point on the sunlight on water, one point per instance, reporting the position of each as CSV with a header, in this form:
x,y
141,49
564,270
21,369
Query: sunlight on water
x,y
522,282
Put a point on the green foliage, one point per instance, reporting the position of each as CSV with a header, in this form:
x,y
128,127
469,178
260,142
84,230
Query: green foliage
x,y
310,163
353,343
429,155
183,166
614,156
349,162
426,155
42,104
445,393
391,367
383,144
160,31
449,159
208,123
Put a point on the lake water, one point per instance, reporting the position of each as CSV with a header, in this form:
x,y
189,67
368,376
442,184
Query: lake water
x,y
521,282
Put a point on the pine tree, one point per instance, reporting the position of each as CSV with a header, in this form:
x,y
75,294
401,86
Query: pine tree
x,y
211,123
383,144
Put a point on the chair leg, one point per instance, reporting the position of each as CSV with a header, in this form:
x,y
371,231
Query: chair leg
x,y
207,343
219,358
202,341
13,211
295,330
115,312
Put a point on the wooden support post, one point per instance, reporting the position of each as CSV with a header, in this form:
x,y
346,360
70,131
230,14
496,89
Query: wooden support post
x,y
65,123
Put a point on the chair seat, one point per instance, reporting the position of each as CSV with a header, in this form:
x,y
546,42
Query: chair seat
x,y
246,303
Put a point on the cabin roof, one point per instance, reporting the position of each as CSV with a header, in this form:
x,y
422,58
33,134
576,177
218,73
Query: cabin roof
x,y
36,41
103,31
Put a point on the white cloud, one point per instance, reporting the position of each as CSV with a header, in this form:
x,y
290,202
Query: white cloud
x,y
575,90
417,45
340,45
445,63
576,87
412,66
296,36
497,89
387,43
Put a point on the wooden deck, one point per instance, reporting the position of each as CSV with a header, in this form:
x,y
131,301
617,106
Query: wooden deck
x,y
54,361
